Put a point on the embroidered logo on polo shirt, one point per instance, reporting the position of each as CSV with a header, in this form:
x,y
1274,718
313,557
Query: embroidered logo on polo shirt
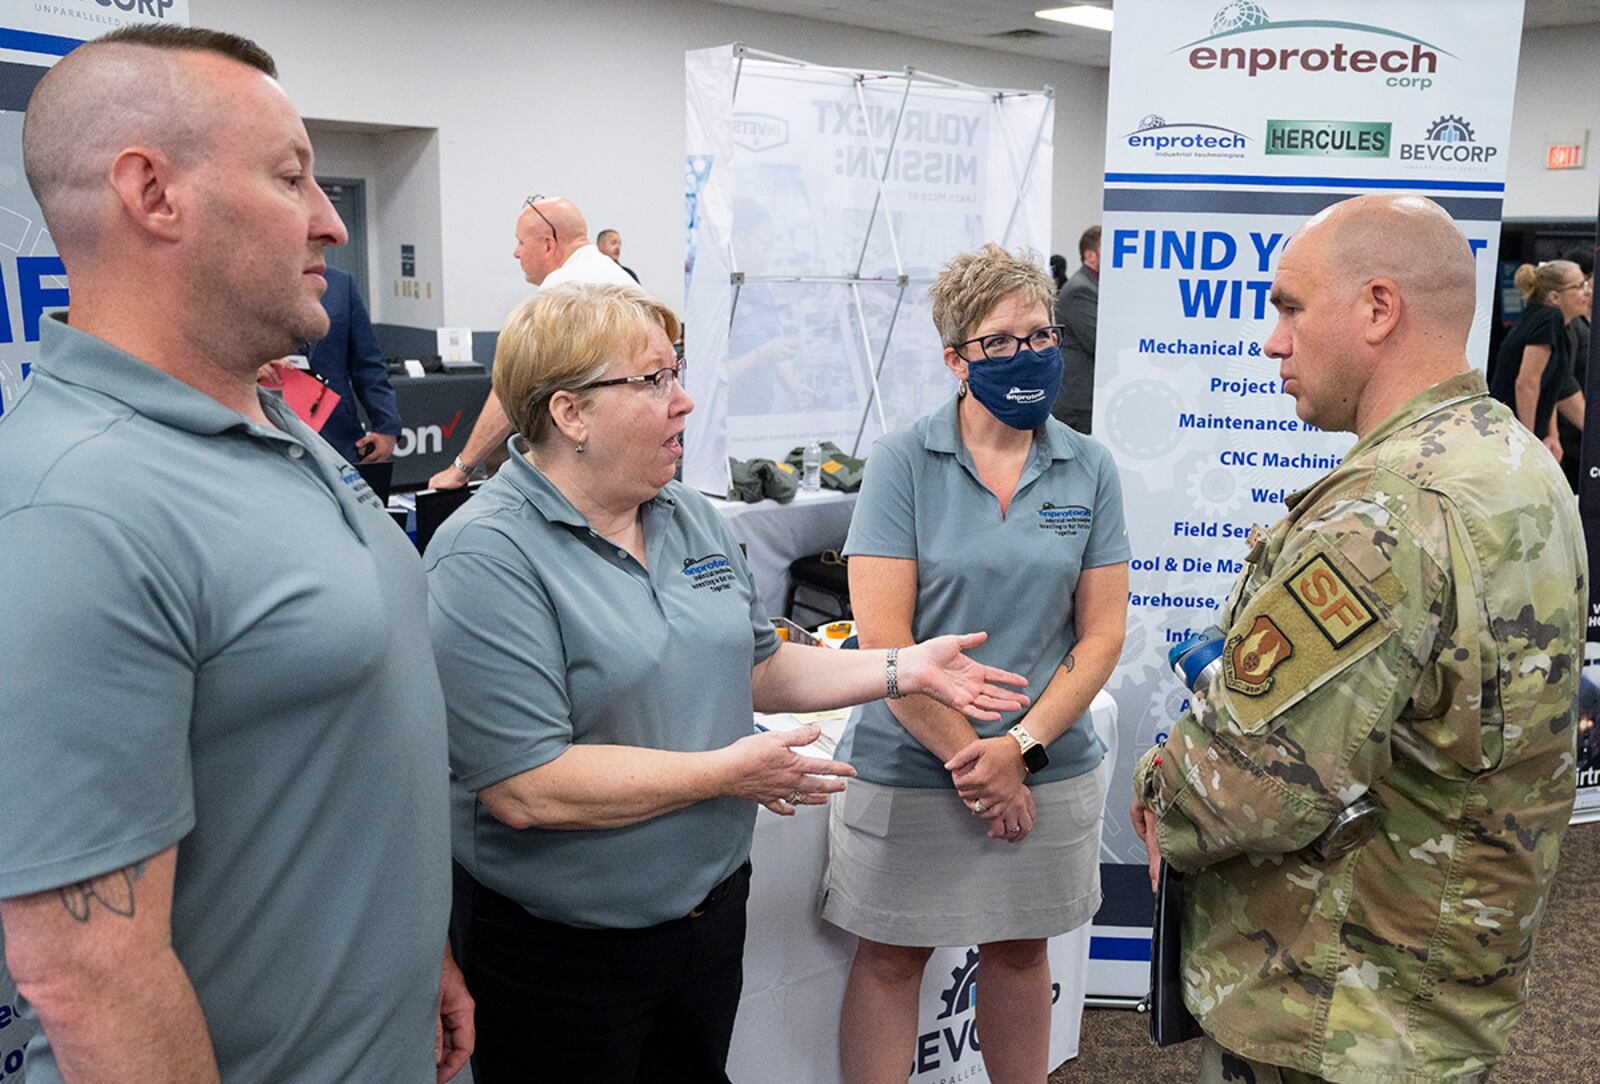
x,y
352,478
713,572
1067,521
1248,660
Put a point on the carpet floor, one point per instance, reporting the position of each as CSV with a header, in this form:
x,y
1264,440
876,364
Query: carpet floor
x,y
1557,1042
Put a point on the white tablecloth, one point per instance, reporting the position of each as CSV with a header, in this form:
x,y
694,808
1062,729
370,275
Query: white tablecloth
x,y
775,534
795,967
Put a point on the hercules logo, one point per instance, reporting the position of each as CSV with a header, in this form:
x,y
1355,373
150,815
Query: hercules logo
x,y
1248,660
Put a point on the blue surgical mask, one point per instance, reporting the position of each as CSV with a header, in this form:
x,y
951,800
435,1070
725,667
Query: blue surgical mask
x,y
1018,391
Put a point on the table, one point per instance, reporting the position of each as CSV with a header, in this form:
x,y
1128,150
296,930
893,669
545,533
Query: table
x,y
775,534
436,416
795,966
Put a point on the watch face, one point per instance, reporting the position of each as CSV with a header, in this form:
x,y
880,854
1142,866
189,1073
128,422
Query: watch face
x,y
1035,758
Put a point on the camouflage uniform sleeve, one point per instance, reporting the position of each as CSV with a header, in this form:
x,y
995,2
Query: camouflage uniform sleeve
x,y
1316,668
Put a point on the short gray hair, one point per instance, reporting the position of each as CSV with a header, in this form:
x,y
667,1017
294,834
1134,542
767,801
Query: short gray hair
x,y
972,284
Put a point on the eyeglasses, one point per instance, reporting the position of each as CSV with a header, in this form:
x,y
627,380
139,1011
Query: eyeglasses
x,y
531,202
1003,347
1584,285
660,381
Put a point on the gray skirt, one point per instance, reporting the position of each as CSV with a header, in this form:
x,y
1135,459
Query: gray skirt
x,y
913,866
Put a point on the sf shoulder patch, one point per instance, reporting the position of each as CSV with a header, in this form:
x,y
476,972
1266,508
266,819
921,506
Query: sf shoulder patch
x,y
1248,659
1300,630
1330,601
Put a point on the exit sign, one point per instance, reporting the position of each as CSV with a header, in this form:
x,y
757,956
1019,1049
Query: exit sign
x,y
1564,150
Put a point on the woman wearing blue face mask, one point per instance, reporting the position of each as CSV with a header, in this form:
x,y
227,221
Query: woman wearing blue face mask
x,y
988,513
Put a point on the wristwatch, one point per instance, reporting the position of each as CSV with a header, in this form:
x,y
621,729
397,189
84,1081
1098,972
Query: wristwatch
x,y
1033,755
464,468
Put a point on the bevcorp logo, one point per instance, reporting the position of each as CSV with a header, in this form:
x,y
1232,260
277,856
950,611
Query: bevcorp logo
x,y
952,1051
1186,139
1449,141
1245,39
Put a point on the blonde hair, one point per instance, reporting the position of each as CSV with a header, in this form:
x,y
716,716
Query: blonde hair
x,y
972,284
565,337
1541,278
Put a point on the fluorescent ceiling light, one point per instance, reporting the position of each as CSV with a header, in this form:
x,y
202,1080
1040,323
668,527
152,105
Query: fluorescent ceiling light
x,y
1079,15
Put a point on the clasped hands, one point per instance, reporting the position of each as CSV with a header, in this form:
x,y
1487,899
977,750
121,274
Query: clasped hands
x,y
988,775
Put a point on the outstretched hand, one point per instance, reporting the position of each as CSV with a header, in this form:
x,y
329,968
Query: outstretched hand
x,y
940,668
767,770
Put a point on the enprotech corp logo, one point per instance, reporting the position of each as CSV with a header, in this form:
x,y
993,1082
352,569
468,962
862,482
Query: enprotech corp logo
x,y
1410,67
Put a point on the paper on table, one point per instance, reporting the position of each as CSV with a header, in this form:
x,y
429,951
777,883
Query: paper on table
x,y
832,723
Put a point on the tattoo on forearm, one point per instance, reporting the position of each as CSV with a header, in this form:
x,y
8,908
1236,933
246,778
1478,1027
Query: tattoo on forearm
x,y
114,891
1068,663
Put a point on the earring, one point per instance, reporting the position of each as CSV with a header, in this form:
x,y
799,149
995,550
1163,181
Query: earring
x,y
578,447
961,391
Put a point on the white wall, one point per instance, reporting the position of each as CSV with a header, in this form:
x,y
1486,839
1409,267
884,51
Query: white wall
x,y
586,100
1558,86
401,168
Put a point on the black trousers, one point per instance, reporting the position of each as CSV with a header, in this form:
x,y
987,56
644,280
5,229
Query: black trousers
x,y
561,1003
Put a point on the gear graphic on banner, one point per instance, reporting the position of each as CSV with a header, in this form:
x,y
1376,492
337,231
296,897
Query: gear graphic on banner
x,y
1215,489
1450,129
962,992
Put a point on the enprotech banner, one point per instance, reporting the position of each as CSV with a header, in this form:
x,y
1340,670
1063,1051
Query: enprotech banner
x,y
1228,125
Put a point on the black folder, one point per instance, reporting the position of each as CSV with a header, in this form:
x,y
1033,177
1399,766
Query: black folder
x,y
1170,1020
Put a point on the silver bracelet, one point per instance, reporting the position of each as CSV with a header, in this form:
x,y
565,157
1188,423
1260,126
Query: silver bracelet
x,y
891,672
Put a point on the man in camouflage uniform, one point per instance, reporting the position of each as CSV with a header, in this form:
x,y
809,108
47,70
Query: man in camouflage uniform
x,y
1412,629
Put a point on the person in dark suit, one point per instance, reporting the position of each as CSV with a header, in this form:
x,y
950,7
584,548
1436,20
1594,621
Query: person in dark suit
x,y
610,243
349,360
1077,309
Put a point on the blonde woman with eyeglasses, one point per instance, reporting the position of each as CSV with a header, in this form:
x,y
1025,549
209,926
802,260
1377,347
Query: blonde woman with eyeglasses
x,y
602,647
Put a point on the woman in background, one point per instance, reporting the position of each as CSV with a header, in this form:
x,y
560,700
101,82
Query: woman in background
x,y
1533,372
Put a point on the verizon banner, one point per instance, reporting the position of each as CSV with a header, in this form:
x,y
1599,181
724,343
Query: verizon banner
x,y
1228,124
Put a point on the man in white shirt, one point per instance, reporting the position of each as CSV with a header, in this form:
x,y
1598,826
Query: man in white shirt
x,y
553,247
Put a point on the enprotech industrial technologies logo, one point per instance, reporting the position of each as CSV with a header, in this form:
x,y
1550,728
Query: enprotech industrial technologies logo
x,y
1329,138
1186,139
1239,30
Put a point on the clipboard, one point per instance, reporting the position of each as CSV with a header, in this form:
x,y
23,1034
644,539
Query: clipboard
x,y
304,393
1170,1020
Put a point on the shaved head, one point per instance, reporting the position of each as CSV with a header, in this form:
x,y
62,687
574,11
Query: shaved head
x,y
560,213
1375,298
70,137
548,231
1409,240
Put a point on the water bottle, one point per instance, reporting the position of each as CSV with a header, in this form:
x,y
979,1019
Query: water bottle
x,y
1197,662
811,468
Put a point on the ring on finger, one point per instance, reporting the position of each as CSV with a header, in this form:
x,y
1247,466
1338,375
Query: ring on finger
x,y
1014,830
796,798
977,805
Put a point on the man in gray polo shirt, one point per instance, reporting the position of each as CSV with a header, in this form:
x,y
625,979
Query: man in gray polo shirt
x,y
223,836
